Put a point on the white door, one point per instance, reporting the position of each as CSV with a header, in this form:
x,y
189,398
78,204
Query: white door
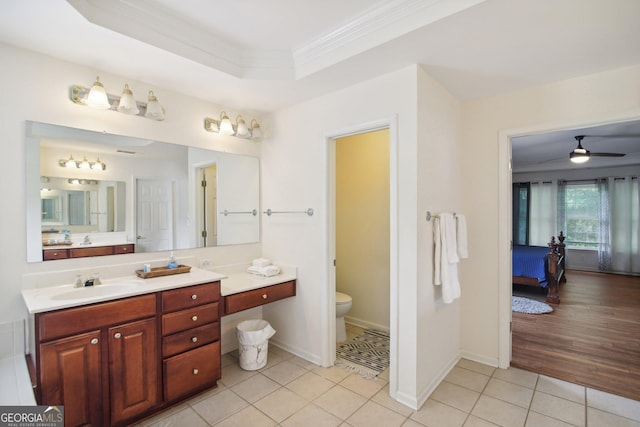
x,y
154,215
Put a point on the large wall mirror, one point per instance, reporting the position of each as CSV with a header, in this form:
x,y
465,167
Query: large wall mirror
x,y
92,189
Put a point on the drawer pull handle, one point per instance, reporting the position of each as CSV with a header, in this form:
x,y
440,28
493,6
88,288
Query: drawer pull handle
x,y
94,341
117,335
194,339
194,318
264,296
195,371
194,296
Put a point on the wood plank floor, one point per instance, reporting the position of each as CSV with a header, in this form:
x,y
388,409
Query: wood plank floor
x,y
592,338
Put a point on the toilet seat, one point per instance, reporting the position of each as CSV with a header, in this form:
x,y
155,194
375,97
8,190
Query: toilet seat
x,y
342,298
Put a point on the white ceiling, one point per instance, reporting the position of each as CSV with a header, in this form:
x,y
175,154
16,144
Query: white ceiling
x,y
260,56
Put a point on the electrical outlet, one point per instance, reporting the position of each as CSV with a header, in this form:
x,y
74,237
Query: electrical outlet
x,y
205,263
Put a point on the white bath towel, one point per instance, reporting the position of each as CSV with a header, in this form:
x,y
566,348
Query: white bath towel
x,y
261,262
446,257
268,271
461,240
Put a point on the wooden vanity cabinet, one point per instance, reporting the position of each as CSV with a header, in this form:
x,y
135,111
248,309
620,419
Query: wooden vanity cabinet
x,y
89,251
245,300
100,361
190,340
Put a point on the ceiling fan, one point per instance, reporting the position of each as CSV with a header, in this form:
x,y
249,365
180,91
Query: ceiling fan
x,y
581,155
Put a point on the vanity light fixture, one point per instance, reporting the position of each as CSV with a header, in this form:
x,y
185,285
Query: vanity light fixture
x,y
256,132
71,163
241,128
154,109
127,104
224,126
97,97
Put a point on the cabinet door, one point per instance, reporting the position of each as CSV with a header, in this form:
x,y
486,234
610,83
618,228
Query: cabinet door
x,y
70,375
134,369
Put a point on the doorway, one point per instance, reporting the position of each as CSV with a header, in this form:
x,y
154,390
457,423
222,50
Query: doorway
x,y
362,227
154,215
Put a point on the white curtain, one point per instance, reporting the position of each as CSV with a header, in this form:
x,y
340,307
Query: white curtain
x,y
604,216
542,216
625,203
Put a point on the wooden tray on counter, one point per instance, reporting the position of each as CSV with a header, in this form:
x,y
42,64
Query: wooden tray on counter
x,y
163,271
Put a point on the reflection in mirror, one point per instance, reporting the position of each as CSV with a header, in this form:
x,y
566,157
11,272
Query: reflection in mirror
x,y
149,194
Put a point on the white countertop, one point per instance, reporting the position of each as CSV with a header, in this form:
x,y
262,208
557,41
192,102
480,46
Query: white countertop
x,y
56,297
234,279
238,280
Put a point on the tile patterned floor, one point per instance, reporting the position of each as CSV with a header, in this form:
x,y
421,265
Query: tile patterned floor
x,y
290,391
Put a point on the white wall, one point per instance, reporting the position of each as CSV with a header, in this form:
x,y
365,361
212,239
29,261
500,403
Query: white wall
x,y
438,190
35,87
296,162
486,193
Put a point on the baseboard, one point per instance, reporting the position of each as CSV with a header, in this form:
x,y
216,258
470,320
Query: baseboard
x,y
296,351
490,361
427,391
366,324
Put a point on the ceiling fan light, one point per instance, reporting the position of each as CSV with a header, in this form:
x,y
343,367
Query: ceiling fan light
x,y
579,155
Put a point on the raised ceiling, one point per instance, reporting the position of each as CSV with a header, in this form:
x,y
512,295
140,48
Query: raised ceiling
x,y
265,55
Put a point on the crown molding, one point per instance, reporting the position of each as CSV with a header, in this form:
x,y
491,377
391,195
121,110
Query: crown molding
x,y
145,21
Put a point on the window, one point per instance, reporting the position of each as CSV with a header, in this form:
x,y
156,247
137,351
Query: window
x,y
582,220
520,211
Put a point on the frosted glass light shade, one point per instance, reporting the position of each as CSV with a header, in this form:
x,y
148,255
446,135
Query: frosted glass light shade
x,y
154,109
226,128
127,103
256,131
97,97
242,130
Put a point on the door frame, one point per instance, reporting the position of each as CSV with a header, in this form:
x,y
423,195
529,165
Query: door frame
x,y
330,146
505,219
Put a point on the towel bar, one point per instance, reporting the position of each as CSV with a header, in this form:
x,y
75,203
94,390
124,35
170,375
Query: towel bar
x,y
429,216
308,212
226,212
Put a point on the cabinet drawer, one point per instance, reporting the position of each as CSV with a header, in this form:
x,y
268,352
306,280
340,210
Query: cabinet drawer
x,y
48,254
95,251
189,318
72,321
177,299
190,339
192,371
123,249
249,299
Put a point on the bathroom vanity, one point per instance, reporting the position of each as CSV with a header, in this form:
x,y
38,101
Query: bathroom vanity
x,y
126,349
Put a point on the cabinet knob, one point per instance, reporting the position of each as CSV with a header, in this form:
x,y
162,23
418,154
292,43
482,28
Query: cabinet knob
x,y
264,296
55,254
117,335
94,341
194,339
194,296
195,371
194,318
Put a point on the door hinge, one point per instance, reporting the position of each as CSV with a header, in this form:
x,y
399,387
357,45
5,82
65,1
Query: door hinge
x,y
334,262
204,233
203,183
510,326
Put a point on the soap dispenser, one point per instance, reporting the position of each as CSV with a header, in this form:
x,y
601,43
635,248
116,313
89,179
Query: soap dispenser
x,y
172,262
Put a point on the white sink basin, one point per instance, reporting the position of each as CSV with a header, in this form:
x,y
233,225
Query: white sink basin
x,y
95,291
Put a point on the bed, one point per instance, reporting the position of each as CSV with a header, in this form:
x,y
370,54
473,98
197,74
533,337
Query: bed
x,y
540,266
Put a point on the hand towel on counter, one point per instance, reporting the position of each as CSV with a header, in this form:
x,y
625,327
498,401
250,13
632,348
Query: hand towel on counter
x,y
261,262
268,271
446,257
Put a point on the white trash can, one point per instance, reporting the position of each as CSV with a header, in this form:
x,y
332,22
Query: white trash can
x,y
253,343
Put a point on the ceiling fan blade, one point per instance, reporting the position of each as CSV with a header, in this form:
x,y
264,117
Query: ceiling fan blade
x,y
608,154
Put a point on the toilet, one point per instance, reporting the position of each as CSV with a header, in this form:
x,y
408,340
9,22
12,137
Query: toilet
x,y
343,305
